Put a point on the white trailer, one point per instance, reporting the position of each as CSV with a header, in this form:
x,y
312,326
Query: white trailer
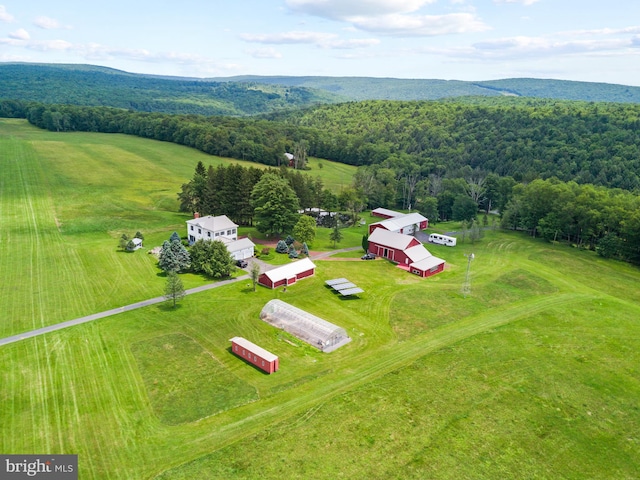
x,y
442,239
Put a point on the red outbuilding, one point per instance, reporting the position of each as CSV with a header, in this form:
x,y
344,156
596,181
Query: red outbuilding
x,y
403,223
287,274
254,354
406,251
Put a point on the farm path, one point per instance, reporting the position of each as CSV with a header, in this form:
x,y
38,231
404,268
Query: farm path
x,y
145,303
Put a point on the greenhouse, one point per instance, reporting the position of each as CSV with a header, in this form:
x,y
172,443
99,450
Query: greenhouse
x,y
317,332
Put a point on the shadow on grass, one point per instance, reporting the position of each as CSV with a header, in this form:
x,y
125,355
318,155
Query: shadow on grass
x,y
257,369
167,306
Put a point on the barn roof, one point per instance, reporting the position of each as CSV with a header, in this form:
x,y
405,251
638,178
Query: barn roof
x,y
386,212
213,224
386,238
289,270
417,253
427,263
244,343
398,223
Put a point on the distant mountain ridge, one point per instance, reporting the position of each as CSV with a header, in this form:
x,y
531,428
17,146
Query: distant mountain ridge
x,y
90,85
368,88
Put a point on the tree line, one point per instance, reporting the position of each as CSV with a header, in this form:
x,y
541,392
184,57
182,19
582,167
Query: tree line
x,y
607,220
597,143
228,189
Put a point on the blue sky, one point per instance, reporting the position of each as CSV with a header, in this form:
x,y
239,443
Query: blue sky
x,y
587,40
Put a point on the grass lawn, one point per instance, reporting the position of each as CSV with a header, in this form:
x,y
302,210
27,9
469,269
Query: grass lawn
x,y
533,375
65,200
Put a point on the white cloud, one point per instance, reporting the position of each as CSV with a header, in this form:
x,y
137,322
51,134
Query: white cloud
x,y
49,45
20,34
391,17
48,23
295,37
264,53
526,3
344,9
5,16
319,39
421,25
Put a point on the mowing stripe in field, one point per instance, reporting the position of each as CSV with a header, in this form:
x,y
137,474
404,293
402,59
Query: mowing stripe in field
x,y
230,427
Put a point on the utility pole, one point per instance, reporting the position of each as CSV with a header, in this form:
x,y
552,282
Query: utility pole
x,y
466,287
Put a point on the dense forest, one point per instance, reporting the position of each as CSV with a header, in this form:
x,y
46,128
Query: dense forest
x,y
523,138
566,171
98,86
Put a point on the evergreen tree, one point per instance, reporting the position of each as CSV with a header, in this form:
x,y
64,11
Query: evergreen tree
x,y
167,260
336,235
174,290
282,247
365,242
305,249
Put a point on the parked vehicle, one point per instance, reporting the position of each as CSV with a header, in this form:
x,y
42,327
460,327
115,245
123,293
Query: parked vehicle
x,y
241,263
368,256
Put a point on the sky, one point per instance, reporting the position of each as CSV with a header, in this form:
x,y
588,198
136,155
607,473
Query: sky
x,y
473,40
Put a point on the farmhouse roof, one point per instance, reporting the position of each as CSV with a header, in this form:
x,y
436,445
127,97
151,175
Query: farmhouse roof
x,y
289,270
253,348
386,238
240,244
213,224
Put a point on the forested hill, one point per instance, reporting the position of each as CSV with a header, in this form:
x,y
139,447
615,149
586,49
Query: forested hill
x,y
98,86
250,95
366,88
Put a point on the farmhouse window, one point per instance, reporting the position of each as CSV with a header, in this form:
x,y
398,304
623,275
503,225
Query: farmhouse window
x,y
233,231
199,230
208,234
192,228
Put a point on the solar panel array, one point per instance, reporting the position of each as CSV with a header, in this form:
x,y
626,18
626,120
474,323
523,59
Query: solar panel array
x,y
344,286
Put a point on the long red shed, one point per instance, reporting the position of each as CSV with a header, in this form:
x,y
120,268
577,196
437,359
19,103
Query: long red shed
x,y
255,355
287,274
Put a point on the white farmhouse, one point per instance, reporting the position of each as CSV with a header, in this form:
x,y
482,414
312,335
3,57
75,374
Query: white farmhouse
x,y
220,228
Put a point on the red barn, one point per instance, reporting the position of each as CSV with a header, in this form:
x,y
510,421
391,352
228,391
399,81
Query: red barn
x,y
404,223
255,355
287,274
404,250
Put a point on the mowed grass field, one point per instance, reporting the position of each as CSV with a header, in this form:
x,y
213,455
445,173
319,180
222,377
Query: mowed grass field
x,y
66,198
534,375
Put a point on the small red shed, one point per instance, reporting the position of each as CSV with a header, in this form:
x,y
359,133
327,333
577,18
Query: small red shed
x,y
255,355
287,274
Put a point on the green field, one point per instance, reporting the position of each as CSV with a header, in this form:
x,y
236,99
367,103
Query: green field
x,y
535,374
65,199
